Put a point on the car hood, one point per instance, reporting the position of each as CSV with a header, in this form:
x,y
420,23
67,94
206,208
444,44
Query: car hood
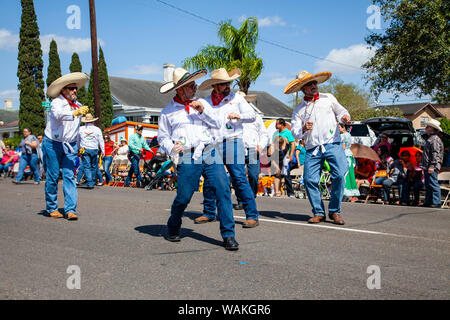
x,y
390,125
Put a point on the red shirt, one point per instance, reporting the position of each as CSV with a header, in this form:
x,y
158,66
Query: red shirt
x,y
109,147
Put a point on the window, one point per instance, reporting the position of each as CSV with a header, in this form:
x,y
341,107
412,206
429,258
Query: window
x,y
154,119
423,120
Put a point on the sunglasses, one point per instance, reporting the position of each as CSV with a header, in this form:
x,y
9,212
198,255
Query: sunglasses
x,y
224,83
71,88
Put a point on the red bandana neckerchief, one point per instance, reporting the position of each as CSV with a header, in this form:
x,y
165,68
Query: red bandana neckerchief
x,y
316,97
186,104
73,105
217,98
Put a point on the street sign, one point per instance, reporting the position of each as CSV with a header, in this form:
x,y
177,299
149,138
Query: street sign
x,y
46,105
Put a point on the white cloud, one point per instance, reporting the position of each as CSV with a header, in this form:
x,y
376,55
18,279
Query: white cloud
x,y
266,21
9,41
143,70
11,94
278,79
68,45
355,55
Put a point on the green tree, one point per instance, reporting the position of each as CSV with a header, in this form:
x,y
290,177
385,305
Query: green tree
x,y
105,93
75,66
238,52
445,125
54,65
29,71
413,54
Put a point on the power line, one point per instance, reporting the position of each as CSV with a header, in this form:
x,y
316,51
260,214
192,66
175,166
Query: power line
x,y
260,39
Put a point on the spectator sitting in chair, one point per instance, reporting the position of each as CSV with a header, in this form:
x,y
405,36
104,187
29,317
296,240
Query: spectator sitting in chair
x,y
397,175
414,179
364,171
7,160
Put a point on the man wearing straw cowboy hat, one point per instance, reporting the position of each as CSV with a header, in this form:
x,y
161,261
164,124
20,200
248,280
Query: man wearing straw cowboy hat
x,y
233,110
90,139
432,158
185,130
316,120
60,142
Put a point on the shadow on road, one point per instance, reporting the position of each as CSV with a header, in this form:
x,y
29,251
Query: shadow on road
x,y
287,216
161,231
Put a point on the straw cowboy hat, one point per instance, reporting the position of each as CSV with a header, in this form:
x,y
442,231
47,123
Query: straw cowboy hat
x,y
79,78
181,78
303,78
220,75
434,124
249,98
88,118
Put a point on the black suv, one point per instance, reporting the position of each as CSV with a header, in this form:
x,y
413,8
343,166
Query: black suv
x,y
400,131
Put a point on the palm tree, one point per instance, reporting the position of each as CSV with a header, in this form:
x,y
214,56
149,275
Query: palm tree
x,y
238,52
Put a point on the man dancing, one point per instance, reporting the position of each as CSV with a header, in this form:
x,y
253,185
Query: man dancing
x,y
185,130
233,110
316,119
60,143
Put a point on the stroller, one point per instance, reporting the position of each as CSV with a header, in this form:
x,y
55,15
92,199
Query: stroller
x,y
154,171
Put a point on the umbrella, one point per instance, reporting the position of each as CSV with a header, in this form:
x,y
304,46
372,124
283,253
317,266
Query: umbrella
x,y
412,151
362,151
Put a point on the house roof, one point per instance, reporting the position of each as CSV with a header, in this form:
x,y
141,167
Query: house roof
x,y
414,108
145,93
13,124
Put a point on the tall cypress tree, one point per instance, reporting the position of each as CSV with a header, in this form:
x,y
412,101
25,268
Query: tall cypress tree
x,y
106,104
54,65
29,71
75,66
105,92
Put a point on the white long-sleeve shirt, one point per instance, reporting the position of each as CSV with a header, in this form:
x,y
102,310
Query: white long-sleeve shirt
x,y
91,137
192,130
62,126
255,134
233,103
325,114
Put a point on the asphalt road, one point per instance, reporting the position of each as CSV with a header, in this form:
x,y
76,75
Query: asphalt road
x,y
119,252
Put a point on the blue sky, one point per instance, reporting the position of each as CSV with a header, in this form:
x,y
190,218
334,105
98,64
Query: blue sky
x,y
139,36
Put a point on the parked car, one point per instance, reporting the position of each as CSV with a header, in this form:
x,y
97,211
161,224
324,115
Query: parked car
x,y
400,131
361,133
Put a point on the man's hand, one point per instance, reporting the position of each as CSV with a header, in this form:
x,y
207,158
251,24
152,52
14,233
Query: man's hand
x,y
233,115
197,105
345,118
308,126
177,148
81,111
430,170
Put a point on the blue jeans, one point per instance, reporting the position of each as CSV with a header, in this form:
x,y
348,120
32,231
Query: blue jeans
x,y
387,184
5,167
28,160
335,156
253,168
433,190
89,161
55,160
107,160
134,169
189,174
417,186
80,174
232,154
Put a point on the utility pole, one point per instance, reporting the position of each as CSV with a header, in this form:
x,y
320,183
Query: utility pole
x,y
94,54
